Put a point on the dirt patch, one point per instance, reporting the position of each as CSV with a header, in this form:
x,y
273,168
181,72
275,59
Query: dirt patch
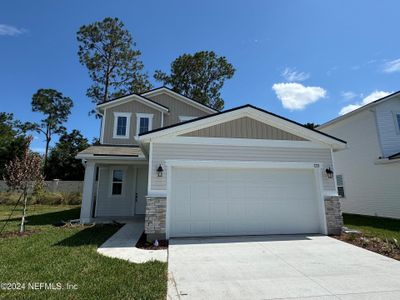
x,y
143,243
18,234
390,248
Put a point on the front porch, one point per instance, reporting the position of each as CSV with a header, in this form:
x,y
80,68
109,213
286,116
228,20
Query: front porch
x,y
115,184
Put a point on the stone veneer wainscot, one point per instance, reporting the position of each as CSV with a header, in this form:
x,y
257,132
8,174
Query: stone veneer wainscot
x,y
156,208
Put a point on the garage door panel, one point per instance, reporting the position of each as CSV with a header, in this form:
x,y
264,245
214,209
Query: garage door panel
x,y
243,201
218,227
200,227
183,227
218,210
217,191
199,210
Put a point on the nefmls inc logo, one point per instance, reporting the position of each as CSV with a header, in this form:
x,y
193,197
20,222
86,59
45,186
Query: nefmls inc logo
x,y
45,285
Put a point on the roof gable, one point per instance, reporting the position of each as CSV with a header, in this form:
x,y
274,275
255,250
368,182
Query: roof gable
x,y
245,127
245,111
132,97
362,108
179,97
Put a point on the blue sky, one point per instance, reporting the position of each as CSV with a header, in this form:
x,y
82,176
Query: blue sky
x,y
305,60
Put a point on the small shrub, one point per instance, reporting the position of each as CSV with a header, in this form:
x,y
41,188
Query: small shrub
x,y
41,197
73,198
351,237
8,198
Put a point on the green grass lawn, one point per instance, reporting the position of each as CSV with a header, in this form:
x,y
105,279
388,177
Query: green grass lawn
x,y
383,228
67,255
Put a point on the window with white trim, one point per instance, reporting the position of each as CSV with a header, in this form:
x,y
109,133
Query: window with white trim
x,y
340,186
144,123
117,182
121,125
397,122
186,118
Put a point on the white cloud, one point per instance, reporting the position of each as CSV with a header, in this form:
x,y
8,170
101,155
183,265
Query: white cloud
x,y
295,96
349,108
375,95
349,95
9,30
292,75
392,66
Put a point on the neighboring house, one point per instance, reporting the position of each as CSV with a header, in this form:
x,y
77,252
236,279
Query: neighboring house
x,y
193,171
368,172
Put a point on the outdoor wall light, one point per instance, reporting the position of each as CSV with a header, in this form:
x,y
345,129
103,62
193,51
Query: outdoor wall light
x,y
329,172
160,171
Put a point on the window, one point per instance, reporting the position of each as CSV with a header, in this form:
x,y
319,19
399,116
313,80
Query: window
x,y
117,181
397,117
144,123
186,118
121,125
340,187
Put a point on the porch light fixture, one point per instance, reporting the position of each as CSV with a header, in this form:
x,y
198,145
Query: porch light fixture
x,y
329,172
160,171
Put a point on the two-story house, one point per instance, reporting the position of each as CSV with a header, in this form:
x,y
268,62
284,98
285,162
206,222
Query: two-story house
x,y
368,171
193,171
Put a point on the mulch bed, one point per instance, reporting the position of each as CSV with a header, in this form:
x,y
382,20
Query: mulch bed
x,y
390,248
143,243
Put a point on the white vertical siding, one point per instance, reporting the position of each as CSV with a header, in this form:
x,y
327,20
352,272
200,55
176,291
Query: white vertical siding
x,y
370,189
162,152
388,133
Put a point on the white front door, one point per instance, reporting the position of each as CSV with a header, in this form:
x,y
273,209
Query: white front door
x,y
226,201
141,190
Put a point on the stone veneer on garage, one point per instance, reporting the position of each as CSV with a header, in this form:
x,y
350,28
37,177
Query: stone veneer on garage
x,y
155,220
334,219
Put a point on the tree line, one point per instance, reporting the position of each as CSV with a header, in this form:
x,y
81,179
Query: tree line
x,y
108,51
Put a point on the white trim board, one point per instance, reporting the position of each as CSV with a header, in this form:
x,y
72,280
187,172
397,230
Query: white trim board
x,y
103,121
129,98
188,140
150,171
234,164
128,124
143,115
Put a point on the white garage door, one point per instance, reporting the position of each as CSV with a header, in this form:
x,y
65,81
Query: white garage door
x,y
215,202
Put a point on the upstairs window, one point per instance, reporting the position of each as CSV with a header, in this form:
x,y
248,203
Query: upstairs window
x,y
121,125
117,181
144,123
340,186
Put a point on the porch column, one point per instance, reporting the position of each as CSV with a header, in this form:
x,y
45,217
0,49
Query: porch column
x,y
87,196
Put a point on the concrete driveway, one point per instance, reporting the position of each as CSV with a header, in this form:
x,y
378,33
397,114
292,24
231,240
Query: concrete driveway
x,y
278,267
